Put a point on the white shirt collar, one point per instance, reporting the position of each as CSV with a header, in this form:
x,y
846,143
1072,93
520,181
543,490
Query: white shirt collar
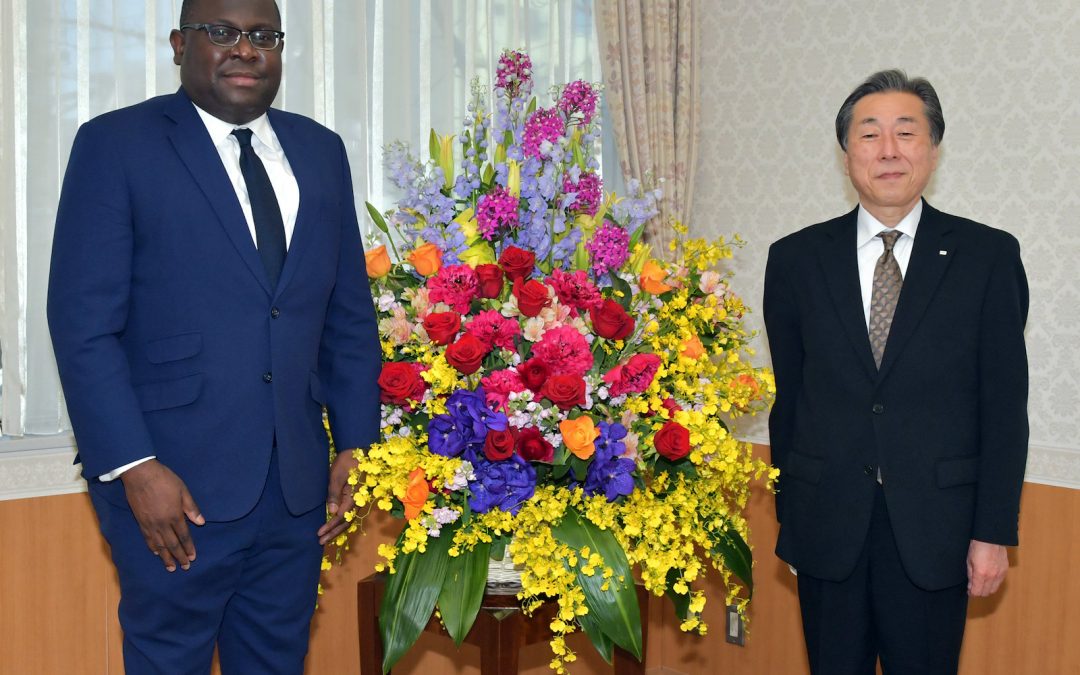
x,y
868,227
220,130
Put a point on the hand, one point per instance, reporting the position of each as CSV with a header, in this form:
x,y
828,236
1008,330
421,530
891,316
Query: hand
x,y
986,566
160,501
338,496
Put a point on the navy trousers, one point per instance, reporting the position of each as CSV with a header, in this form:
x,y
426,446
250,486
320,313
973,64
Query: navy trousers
x,y
251,591
879,612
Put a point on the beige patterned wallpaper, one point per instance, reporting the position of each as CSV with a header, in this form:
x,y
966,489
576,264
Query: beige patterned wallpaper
x,y
774,73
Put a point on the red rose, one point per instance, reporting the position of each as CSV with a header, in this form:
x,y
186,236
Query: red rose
x,y
400,382
672,441
534,373
671,405
499,445
441,327
517,263
491,280
533,447
611,321
466,354
565,391
532,296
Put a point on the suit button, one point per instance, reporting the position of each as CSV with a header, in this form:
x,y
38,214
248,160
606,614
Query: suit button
x,y
868,470
878,409
274,312
268,377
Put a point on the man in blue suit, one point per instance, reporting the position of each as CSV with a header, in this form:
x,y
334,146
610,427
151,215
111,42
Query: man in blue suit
x,y
900,424
207,300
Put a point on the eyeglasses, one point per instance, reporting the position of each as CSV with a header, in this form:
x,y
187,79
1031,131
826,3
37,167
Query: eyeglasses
x,y
227,36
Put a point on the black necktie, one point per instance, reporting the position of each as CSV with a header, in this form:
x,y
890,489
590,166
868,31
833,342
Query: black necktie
x,y
269,227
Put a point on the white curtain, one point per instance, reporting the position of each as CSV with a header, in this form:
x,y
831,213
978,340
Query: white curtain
x,y
373,70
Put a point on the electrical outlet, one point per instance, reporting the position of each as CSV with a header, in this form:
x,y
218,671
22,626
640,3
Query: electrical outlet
x,y
736,631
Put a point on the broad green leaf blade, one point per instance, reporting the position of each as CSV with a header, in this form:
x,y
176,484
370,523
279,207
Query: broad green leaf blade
x,y
680,602
433,146
463,591
616,609
377,218
410,597
733,550
590,625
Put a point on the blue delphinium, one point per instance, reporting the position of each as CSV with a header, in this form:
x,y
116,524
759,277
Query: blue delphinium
x,y
505,484
610,472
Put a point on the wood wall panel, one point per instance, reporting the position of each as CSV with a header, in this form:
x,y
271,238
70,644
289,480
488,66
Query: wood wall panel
x,y
58,597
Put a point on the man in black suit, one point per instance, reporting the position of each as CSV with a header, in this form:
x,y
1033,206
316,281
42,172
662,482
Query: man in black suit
x,y
900,424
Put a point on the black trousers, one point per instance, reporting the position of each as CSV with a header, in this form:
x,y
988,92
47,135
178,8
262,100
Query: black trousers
x,y
879,612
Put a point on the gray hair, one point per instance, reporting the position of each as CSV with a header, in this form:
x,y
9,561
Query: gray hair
x,y
893,80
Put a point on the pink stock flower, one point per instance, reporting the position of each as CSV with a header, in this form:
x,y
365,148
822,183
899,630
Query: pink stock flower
x,y
589,191
634,376
543,125
496,211
579,97
575,290
564,351
610,248
514,72
494,329
456,285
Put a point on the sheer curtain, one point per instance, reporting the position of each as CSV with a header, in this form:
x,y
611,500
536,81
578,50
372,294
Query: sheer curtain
x,y
373,70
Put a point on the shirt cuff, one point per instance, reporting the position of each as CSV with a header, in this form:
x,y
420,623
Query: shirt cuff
x,y
115,473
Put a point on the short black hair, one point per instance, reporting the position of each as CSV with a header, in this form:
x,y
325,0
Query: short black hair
x,y
186,5
893,80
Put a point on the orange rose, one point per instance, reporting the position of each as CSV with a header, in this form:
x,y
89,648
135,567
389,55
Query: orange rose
x,y
427,259
416,494
692,348
652,278
749,382
378,262
578,436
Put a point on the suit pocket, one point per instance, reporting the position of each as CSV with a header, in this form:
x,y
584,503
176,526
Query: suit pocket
x,y
317,389
804,467
174,348
170,393
957,471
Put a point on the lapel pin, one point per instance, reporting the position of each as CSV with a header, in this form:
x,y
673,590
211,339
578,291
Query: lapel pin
x,y
943,253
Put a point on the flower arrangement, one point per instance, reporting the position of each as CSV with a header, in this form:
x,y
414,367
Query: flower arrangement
x,y
551,390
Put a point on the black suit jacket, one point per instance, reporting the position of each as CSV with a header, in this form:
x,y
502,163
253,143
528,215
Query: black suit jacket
x,y
945,418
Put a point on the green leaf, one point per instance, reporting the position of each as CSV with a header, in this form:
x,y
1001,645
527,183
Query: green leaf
x,y
377,217
434,149
603,643
678,600
463,590
624,295
410,596
733,550
489,173
614,611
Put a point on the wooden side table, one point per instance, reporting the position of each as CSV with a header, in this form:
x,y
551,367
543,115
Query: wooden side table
x,y
500,631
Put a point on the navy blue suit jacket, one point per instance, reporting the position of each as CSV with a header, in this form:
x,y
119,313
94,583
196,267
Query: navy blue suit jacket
x,y
168,337
944,419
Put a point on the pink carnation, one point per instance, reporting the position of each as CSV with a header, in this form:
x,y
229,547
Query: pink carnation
x,y
494,329
575,290
634,376
496,211
456,285
564,351
579,97
543,125
499,385
588,190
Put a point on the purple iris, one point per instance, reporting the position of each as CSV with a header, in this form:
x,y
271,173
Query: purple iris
x,y
610,472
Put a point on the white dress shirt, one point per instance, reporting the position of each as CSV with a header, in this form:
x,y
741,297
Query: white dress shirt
x,y
869,247
266,146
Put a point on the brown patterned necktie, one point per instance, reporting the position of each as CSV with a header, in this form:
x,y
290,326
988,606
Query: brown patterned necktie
x,y
887,282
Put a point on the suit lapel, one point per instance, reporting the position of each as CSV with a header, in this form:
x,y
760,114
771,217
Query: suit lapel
x,y
193,144
925,268
840,266
304,172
